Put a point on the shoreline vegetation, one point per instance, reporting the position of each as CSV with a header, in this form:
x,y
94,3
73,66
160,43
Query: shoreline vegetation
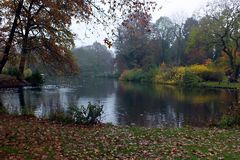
x,y
7,81
12,80
189,76
204,76
26,137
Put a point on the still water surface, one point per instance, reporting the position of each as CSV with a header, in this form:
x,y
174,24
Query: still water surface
x,y
124,103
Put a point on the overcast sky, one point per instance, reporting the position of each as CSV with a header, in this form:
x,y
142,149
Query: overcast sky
x,y
170,8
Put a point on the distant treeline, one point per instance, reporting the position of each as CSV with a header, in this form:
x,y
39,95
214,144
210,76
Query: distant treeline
x,y
212,36
94,60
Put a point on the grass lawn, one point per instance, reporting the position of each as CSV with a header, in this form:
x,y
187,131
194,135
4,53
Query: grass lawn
x,y
29,138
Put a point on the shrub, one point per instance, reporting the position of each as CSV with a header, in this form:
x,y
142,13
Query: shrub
x,y
93,113
12,71
231,118
27,111
159,77
190,79
27,73
130,75
213,75
149,75
229,121
3,110
198,68
36,78
5,71
207,73
176,74
90,114
138,75
170,76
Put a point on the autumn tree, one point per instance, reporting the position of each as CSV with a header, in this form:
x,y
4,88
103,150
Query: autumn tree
x,y
43,26
195,48
220,28
134,42
44,33
10,12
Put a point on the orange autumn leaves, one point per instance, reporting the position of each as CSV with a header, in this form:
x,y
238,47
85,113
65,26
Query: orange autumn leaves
x,y
43,27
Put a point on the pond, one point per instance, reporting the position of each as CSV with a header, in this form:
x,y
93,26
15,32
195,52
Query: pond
x,y
124,103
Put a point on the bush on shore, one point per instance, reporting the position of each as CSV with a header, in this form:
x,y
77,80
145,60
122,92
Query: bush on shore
x,y
33,77
90,114
190,79
138,75
188,76
36,78
231,118
207,73
12,71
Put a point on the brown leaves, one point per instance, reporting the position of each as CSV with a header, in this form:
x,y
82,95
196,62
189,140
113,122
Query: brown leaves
x,y
22,137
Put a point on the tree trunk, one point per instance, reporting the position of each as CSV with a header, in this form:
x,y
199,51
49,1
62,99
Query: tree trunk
x,y
25,49
235,69
11,36
23,55
22,66
236,72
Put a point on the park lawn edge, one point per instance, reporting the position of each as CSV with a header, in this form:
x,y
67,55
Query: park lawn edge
x,y
31,138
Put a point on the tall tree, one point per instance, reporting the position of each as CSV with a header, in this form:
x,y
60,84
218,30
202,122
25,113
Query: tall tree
x,y
166,36
198,53
220,28
179,42
44,31
189,25
134,40
16,9
47,22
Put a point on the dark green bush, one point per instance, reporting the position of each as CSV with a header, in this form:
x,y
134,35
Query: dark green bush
x,y
191,79
231,118
3,110
212,75
36,78
27,111
207,73
229,121
138,75
12,71
90,114
193,75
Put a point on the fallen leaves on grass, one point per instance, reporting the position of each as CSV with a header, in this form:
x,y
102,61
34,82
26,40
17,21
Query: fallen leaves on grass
x,y
29,138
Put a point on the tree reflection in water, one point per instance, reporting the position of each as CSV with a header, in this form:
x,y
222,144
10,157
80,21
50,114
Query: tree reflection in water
x,y
124,103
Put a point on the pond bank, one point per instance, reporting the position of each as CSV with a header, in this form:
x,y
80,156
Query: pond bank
x,y
197,76
216,85
221,85
31,138
11,82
